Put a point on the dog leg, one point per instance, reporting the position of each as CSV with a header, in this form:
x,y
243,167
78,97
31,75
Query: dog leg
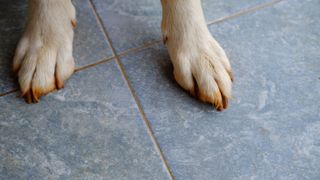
x,y
200,64
43,59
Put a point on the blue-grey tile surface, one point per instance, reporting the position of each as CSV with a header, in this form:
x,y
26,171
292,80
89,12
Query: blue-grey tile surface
x,y
134,23
90,130
12,18
89,43
94,128
271,130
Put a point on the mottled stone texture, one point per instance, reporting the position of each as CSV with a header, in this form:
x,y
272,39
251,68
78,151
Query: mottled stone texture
x,y
93,129
90,130
272,128
12,18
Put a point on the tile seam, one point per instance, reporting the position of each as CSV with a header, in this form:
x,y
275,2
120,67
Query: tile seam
x,y
132,91
244,12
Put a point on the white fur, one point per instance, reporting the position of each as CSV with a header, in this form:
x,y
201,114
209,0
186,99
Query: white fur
x,y
43,58
200,64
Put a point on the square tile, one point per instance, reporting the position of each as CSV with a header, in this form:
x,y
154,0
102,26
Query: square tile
x,y
272,127
92,129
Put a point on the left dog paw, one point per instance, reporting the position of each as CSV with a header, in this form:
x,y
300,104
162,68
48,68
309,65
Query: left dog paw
x,y
43,59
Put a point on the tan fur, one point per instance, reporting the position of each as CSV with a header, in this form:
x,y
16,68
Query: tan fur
x,y
199,61
43,59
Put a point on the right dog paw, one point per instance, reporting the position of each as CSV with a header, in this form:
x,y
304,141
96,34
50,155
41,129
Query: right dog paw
x,y
200,64
43,59
204,70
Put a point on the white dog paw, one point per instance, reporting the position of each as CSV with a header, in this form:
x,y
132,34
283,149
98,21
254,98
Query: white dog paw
x,y
204,70
43,59
200,64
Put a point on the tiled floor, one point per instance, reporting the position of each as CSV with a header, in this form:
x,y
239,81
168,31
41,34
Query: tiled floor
x,y
126,118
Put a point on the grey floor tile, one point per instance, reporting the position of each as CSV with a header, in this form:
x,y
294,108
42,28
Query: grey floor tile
x,y
134,23
89,44
272,127
89,130
12,18
215,9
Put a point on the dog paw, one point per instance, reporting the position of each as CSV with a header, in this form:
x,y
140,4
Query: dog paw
x,y
201,67
204,70
200,64
43,59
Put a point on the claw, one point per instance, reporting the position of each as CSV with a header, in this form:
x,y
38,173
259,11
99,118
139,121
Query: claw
x,y
59,83
74,23
230,75
218,99
28,97
164,39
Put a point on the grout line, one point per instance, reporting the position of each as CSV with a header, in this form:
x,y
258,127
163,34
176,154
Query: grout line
x,y
94,64
8,92
132,91
145,120
243,12
152,43
140,48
